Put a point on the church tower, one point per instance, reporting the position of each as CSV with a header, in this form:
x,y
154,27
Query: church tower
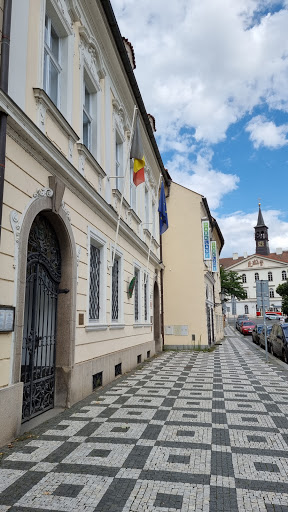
x,y
261,235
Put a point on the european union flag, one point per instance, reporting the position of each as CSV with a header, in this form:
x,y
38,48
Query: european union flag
x,y
162,209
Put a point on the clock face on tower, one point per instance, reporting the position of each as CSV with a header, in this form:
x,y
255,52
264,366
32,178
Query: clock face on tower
x,y
260,243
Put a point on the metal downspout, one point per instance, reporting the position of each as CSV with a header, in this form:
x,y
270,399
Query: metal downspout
x,y
4,74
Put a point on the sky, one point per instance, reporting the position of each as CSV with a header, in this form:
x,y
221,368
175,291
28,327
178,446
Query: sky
x,y
214,74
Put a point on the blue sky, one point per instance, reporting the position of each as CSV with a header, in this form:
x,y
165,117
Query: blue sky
x,y
215,76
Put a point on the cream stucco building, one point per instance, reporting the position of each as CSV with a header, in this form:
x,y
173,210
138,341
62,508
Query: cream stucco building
x,y
69,108
263,265
192,305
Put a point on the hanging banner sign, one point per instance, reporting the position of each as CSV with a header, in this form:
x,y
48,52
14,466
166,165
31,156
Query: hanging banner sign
x,y
214,256
206,239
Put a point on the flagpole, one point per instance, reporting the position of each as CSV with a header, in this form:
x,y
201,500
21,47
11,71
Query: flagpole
x,y
123,189
150,244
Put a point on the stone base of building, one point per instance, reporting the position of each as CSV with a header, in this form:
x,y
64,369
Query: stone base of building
x,y
72,385
10,412
186,347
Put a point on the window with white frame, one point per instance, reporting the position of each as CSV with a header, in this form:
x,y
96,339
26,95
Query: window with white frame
x,y
153,219
137,295
97,278
284,275
244,280
146,205
87,118
52,62
246,309
132,189
246,294
256,276
116,291
270,276
146,297
119,171
271,293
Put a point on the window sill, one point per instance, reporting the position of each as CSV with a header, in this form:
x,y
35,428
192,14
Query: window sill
x,y
134,215
142,325
117,193
117,326
44,100
96,327
83,150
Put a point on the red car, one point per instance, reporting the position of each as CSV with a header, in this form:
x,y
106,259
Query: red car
x,y
247,327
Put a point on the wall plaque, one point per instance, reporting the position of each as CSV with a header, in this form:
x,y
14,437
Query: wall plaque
x,y
7,315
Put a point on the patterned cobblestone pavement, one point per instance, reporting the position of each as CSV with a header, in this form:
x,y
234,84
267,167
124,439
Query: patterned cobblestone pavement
x,y
187,432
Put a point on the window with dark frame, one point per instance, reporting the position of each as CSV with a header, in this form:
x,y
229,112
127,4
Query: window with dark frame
x,y
115,290
136,296
94,291
145,298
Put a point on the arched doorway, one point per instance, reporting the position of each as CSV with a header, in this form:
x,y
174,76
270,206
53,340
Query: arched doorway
x,y
43,275
156,317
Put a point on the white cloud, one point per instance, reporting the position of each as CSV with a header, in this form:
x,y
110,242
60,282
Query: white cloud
x,y
266,133
202,178
203,63
238,231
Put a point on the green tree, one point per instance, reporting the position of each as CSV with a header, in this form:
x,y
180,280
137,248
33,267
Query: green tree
x,y
231,284
282,290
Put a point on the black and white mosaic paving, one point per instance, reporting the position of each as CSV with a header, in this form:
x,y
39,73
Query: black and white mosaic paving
x,y
190,431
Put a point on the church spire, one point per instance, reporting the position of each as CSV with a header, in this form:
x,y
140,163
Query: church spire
x,y
260,222
261,235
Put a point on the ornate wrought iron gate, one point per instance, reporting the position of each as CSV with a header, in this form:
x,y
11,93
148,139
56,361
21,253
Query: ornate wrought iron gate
x,y
39,334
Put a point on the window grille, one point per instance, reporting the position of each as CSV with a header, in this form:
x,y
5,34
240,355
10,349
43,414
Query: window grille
x,y
97,380
244,280
256,276
284,275
52,68
94,292
118,369
115,290
136,296
270,276
146,298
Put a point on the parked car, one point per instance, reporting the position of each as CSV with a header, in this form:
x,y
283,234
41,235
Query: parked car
x,y
256,333
273,315
240,318
278,340
262,337
247,327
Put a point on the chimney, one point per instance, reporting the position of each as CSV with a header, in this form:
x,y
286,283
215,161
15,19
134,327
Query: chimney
x,y
279,250
245,255
235,255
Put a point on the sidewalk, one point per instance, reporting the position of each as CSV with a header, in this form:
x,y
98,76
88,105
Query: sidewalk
x,y
190,431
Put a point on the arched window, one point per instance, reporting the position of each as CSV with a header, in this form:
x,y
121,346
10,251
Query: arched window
x,y
270,276
256,276
271,293
244,280
246,309
284,275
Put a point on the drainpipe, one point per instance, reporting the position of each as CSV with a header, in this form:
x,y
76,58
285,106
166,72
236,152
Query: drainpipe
x,y
4,73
